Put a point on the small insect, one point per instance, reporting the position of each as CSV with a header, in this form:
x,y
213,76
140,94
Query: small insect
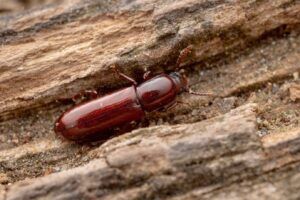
x,y
98,116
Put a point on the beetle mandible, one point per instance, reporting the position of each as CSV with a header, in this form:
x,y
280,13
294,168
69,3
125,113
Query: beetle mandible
x,y
124,106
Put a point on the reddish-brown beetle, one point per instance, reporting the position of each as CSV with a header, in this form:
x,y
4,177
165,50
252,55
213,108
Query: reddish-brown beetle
x,y
124,106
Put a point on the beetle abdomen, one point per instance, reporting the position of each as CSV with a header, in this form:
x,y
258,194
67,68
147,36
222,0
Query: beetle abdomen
x,y
100,115
103,114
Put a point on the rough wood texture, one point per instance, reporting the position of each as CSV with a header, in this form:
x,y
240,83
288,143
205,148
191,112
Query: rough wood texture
x,y
246,51
171,161
61,50
7,6
221,158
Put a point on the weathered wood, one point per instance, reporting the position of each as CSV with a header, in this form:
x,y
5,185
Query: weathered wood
x,y
60,50
220,158
245,51
148,166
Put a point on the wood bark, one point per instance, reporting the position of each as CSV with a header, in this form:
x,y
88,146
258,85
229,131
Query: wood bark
x,y
241,145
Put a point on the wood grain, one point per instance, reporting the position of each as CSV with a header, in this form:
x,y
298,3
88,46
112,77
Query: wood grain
x,y
241,145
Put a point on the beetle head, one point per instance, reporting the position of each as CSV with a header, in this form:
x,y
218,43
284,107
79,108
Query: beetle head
x,y
180,80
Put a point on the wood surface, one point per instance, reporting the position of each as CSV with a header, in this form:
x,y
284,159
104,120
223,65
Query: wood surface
x,y
241,145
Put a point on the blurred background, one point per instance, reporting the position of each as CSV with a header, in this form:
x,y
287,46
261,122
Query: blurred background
x,y
8,6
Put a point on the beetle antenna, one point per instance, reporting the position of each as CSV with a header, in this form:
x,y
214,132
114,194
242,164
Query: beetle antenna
x,y
182,56
201,93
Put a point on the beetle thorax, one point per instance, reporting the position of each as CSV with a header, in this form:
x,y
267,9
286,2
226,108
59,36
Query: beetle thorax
x,y
157,92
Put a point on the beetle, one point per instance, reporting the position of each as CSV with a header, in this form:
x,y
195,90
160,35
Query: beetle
x,y
98,116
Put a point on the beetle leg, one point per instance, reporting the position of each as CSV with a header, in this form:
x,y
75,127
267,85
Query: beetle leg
x,y
183,55
147,75
91,94
174,104
117,71
87,94
125,128
182,102
74,99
